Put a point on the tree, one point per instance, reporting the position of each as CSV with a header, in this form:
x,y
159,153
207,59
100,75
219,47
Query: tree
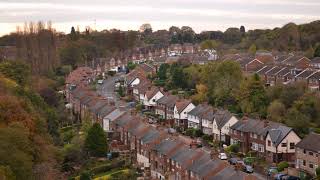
x,y
72,55
16,151
209,44
253,49
252,96
276,111
131,65
73,34
242,30
201,95
96,141
297,120
317,51
232,36
221,78
162,73
17,71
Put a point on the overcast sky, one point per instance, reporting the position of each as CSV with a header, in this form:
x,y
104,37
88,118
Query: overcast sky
x,y
161,14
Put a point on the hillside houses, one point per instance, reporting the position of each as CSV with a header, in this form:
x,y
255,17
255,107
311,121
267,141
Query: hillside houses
x,y
279,69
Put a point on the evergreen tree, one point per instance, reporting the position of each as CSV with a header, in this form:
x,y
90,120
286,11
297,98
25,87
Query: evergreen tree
x,y
96,141
73,34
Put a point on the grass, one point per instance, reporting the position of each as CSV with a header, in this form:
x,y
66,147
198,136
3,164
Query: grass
x,y
109,174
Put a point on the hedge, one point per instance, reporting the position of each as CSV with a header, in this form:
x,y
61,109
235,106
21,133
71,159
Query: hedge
x,y
107,167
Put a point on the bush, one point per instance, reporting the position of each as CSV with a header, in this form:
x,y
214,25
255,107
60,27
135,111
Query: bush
x,y
282,165
85,176
207,137
197,133
189,132
234,148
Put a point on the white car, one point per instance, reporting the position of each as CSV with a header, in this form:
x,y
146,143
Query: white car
x,y
100,81
223,156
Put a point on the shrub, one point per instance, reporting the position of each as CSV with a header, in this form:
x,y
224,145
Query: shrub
x,y
189,132
234,148
207,137
282,165
197,133
85,176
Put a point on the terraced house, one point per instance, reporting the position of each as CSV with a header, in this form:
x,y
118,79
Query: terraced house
x,y
308,154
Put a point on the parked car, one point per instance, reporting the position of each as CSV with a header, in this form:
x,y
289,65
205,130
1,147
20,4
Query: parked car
x,y
279,176
246,168
100,81
223,156
233,161
271,171
290,178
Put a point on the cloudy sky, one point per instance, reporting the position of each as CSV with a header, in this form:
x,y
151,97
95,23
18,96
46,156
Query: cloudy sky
x,y
128,14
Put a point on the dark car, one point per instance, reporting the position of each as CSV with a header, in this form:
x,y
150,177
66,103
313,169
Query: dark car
x,y
233,161
244,167
290,178
279,176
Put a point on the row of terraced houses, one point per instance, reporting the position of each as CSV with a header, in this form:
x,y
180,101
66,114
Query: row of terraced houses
x,y
152,148
274,141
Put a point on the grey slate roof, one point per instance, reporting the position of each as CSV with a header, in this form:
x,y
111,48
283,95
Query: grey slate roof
x,y
278,134
203,111
112,115
165,146
183,154
168,100
259,127
222,117
305,74
99,104
150,136
310,142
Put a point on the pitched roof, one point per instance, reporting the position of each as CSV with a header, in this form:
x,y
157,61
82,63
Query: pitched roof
x,y
167,145
310,142
111,113
222,117
168,100
278,134
259,127
306,73
181,104
152,92
203,111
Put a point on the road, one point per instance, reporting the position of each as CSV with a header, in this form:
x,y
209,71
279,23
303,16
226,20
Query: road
x,y
107,90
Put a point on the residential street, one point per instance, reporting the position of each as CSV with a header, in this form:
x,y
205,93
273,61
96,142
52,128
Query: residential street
x,y
107,90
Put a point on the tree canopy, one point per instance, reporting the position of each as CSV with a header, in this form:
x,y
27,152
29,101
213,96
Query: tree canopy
x,y
96,141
